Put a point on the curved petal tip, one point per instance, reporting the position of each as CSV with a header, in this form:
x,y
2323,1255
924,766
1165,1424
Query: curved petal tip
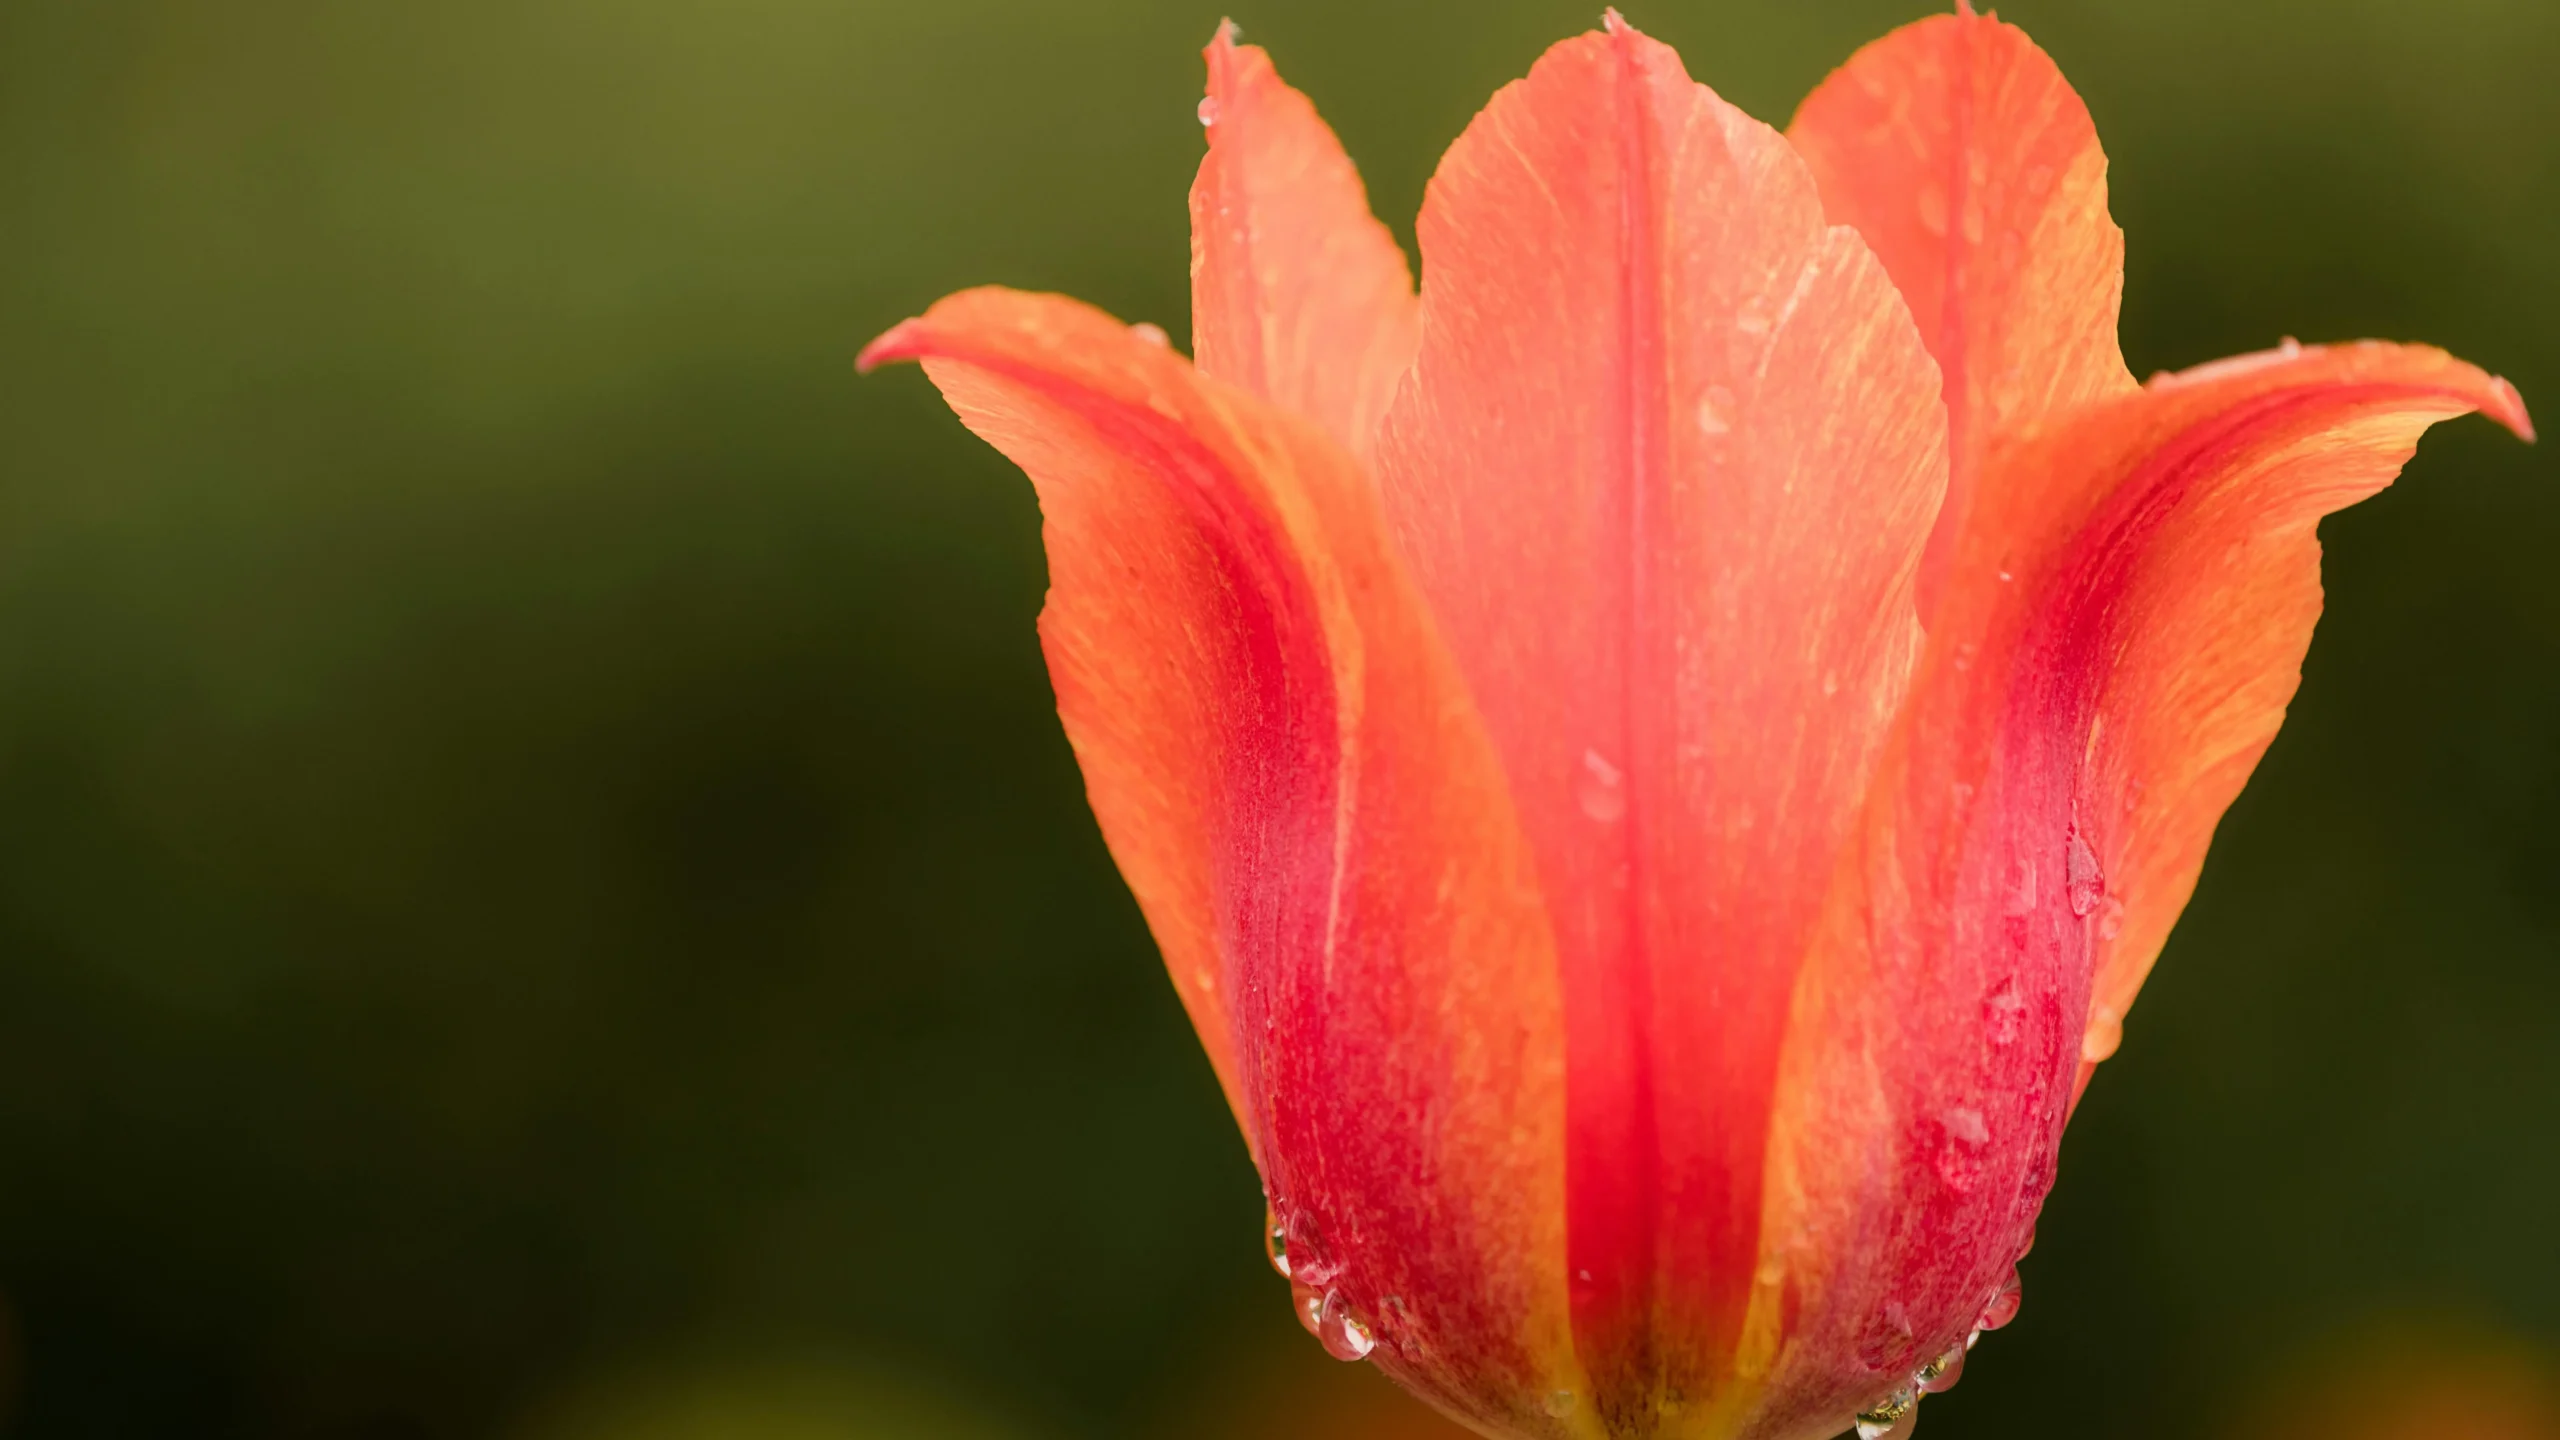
x,y
902,341
2508,408
2492,395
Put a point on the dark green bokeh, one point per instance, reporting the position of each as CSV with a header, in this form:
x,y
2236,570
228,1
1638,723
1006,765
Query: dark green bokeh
x,y
532,835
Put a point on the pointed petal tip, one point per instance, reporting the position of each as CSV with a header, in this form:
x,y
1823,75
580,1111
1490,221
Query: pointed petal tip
x,y
2493,396
1228,35
902,341
2509,409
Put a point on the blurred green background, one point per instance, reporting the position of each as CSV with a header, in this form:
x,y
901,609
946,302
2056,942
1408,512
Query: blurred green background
x,y
540,890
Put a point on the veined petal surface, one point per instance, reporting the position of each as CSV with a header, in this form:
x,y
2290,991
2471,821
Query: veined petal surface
x,y
2115,649
2223,471
1664,467
1298,294
1291,776
1972,168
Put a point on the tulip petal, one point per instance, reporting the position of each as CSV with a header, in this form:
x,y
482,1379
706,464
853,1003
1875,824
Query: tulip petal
x,y
1298,294
1286,766
2214,631
1971,166
1664,466
2116,647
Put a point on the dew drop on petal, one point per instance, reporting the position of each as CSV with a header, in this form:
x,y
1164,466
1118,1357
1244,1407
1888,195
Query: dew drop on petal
x,y
1209,110
1275,1241
1940,1375
1345,1335
1601,788
2083,881
1961,1136
1309,1303
2002,1307
1715,411
1887,1340
2110,918
2002,1012
1891,1417
1151,332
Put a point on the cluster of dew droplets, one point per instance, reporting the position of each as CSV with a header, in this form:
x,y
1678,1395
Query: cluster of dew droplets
x,y
1896,1414
1321,1307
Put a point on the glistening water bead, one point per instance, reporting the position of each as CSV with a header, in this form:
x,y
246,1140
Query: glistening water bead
x,y
1891,1416
1345,1335
1897,1414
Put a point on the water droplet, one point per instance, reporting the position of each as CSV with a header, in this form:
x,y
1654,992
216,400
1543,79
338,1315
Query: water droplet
x,y
2105,1033
2110,918
1559,1403
1309,1303
1307,1262
1889,1418
2002,1307
1150,332
1346,1336
1940,1375
1275,1241
1887,1342
1972,1337
2002,1011
1830,682
2289,347
1601,788
1209,110
2021,899
1961,1135
2006,577
1715,410
2083,881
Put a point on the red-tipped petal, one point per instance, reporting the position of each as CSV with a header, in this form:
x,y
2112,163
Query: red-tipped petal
x,y
1971,166
2116,647
1293,780
1664,467
1298,294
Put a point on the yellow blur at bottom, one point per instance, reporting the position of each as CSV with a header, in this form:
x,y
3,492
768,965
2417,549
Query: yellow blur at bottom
x,y
2411,1379
764,1399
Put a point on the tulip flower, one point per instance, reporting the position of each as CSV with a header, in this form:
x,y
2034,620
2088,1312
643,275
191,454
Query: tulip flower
x,y
1658,764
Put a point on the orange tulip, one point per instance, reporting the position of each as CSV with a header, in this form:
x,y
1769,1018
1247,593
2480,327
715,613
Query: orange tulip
x,y
1658,765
